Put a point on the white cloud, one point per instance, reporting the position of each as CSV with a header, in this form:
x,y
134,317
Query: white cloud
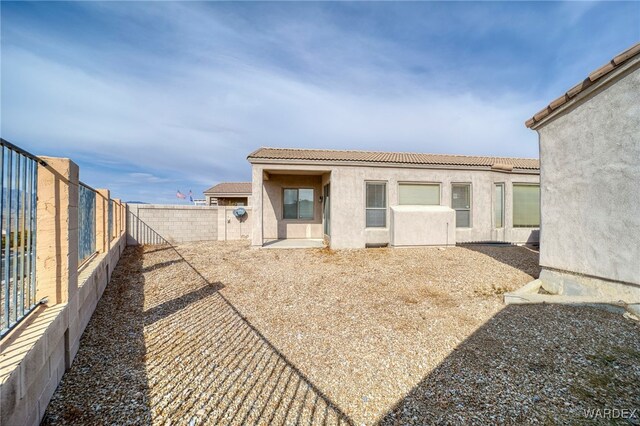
x,y
193,121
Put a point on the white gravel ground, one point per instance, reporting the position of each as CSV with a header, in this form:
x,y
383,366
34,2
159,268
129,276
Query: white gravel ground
x,y
218,333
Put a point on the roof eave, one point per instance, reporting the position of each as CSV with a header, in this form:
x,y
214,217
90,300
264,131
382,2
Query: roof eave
x,y
596,80
303,162
227,194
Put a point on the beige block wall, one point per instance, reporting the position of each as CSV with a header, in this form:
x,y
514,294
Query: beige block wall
x,y
155,223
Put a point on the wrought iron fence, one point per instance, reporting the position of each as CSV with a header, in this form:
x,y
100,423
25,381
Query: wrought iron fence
x,y
18,190
110,233
86,222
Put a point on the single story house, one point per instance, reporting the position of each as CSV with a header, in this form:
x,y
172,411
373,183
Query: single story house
x,y
590,185
355,199
228,194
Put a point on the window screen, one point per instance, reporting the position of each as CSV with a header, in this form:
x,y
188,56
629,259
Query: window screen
x,y
419,194
498,213
526,206
376,205
298,204
461,203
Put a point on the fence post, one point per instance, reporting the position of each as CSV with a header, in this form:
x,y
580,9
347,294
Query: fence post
x,y
102,220
57,224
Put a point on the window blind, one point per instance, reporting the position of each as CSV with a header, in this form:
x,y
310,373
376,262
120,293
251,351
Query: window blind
x,y
418,194
526,206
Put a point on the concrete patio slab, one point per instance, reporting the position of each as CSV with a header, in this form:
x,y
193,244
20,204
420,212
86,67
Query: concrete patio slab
x,y
294,244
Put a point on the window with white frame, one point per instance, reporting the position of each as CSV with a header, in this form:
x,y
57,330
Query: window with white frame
x,y
461,203
419,194
526,205
298,203
376,204
498,205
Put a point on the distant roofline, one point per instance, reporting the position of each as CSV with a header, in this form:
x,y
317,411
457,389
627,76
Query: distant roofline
x,y
406,159
235,193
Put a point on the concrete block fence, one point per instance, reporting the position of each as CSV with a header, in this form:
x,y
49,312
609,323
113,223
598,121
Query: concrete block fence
x,y
36,353
148,223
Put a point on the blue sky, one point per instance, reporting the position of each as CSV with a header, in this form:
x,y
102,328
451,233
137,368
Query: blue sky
x,y
152,97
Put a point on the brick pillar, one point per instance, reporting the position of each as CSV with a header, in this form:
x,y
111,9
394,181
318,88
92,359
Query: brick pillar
x,y
102,220
57,225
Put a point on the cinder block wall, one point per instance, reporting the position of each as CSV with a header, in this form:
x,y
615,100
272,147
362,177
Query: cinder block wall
x,y
153,223
37,352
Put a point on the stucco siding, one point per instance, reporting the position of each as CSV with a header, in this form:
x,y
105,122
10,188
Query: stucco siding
x,y
348,183
590,184
275,227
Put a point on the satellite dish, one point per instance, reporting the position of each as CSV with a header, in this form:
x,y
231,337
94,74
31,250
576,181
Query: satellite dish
x,y
239,212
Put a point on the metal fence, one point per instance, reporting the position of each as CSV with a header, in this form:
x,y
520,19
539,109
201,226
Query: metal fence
x,y
86,222
110,233
18,189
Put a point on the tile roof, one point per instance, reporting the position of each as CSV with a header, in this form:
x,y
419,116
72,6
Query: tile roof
x,y
374,157
590,80
231,188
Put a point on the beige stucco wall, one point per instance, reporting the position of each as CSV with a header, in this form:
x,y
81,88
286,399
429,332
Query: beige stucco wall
x,y
436,225
348,200
275,227
590,182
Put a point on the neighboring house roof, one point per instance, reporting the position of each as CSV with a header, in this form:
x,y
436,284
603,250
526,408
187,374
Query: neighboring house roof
x,y
596,75
376,157
230,188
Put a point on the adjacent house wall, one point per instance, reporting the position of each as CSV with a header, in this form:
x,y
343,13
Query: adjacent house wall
x,y
590,183
348,201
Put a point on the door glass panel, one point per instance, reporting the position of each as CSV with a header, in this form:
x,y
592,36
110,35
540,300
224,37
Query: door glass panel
x,y
290,204
305,204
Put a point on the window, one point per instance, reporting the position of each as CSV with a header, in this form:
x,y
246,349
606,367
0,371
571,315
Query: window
x,y
419,194
498,212
298,203
526,205
213,201
461,203
376,205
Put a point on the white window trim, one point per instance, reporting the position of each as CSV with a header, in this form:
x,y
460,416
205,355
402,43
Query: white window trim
x,y
513,225
470,209
504,205
386,208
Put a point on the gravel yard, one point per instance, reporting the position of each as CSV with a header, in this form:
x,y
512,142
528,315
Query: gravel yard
x,y
219,333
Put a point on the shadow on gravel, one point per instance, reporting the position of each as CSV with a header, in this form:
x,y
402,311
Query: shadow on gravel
x,y
533,363
107,382
523,258
169,347
207,364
